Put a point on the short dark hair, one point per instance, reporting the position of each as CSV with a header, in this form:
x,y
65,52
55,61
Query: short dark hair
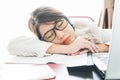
x,y
43,15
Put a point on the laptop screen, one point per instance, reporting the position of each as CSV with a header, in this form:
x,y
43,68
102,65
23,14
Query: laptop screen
x,y
113,69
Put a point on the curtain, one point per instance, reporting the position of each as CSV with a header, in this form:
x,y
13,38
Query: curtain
x,y
105,20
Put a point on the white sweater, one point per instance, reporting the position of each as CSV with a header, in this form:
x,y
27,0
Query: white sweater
x,y
90,31
29,46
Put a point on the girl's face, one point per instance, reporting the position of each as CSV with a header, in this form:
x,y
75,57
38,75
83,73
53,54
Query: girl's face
x,y
60,32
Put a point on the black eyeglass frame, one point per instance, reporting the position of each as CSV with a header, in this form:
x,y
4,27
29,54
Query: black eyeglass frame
x,y
55,28
37,28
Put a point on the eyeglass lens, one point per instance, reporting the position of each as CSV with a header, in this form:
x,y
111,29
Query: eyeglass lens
x,y
60,25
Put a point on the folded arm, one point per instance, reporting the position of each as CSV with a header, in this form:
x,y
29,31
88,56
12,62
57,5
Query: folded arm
x,y
78,45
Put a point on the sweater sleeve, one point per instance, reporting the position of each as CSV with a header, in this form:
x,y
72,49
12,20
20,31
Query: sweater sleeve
x,y
90,28
27,46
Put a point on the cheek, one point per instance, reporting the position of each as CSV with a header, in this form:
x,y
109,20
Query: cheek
x,y
57,41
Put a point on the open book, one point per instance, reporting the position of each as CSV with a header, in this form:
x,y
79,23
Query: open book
x,y
69,61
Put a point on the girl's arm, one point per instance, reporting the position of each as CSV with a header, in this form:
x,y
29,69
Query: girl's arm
x,y
103,35
103,47
27,46
77,45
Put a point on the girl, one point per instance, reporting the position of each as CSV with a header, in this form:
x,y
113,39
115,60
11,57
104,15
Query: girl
x,y
51,25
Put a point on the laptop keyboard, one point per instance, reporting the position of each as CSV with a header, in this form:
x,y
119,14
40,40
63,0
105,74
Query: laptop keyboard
x,y
104,59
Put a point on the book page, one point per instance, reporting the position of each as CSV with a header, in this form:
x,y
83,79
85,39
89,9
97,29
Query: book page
x,y
101,60
69,61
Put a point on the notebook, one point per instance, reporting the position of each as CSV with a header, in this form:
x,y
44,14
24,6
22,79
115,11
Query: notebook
x,y
113,69
26,72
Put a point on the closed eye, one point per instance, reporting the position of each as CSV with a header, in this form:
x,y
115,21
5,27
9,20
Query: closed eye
x,y
49,35
59,25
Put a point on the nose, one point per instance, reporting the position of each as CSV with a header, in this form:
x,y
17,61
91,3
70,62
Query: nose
x,y
59,34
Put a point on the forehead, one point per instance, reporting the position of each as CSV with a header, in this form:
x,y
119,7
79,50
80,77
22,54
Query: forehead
x,y
44,27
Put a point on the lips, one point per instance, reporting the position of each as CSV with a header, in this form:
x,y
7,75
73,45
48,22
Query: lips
x,y
67,40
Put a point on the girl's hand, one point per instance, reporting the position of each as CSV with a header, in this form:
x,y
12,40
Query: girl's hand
x,y
78,46
102,47
82,45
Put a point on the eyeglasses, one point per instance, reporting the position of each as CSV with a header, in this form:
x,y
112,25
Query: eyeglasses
x,y
60,25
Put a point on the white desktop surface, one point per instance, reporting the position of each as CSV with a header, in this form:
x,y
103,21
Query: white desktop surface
x,y
26,72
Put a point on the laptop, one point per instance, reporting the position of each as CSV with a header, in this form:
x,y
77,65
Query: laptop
x,y
112,69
